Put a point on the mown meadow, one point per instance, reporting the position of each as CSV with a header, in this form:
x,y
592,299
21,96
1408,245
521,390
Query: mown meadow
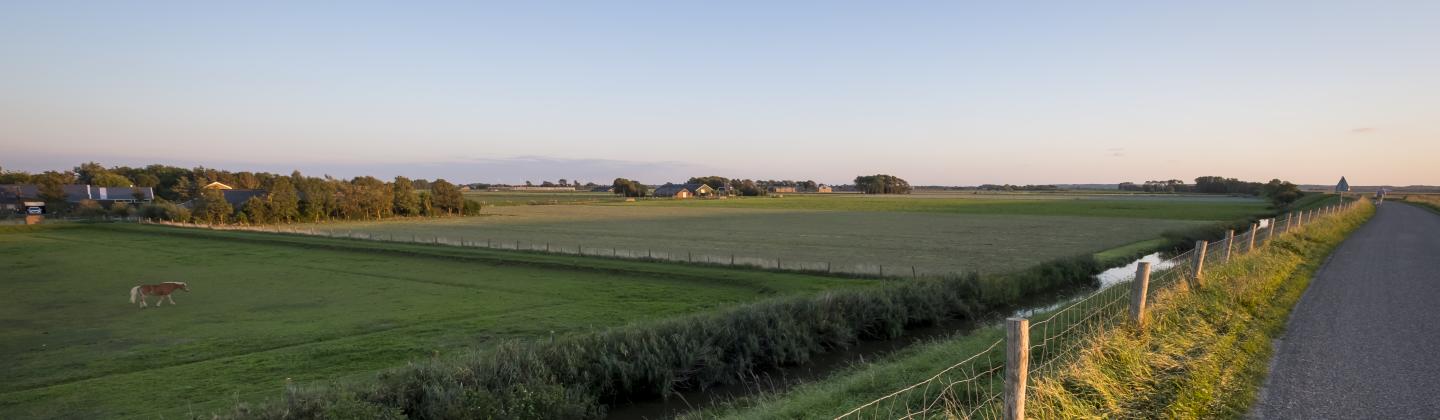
x,y
935,234
267,308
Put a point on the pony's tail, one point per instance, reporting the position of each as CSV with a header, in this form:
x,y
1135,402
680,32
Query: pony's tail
x,y
134,293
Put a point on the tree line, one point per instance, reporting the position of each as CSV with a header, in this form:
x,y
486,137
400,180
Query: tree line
x,y
278,198
1280,193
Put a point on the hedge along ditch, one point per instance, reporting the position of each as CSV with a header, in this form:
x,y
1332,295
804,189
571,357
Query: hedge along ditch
x,y
579,376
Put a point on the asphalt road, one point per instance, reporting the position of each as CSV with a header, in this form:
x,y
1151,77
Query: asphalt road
x,y
1364,341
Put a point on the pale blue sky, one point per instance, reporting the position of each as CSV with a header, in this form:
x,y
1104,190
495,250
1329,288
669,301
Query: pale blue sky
x,y
936,92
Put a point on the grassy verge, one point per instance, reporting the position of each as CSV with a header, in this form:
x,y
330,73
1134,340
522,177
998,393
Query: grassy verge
x,y
1427,201
1205,352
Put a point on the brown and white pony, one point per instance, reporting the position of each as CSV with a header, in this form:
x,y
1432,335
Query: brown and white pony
x,y
163,290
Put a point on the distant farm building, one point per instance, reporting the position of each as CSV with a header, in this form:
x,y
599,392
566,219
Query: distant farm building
x,y
822,188
1343,186
781,189
12,194
237,198
217,186
684,191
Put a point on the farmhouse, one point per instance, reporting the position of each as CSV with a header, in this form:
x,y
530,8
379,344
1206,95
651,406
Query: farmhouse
x,y
781,189
237,198
822,188
11,194
684,191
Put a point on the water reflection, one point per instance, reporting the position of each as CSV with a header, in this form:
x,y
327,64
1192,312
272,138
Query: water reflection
x,y
1108,278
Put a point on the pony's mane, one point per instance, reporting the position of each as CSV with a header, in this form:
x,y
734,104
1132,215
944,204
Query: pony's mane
x,y
176,282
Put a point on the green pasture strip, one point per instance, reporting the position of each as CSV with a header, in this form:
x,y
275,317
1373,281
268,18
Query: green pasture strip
x,y
269,307
522,198
1182,208
761,279
934,243
1314,200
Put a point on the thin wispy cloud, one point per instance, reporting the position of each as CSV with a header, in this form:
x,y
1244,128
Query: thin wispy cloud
x,y
1362,130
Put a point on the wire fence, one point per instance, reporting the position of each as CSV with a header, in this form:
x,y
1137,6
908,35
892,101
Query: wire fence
x,y
693,257
975,387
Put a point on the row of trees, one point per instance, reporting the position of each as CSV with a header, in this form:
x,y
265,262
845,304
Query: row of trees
x,y
1280,193
279,199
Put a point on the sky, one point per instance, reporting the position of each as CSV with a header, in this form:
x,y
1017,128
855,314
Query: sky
x,y
939,93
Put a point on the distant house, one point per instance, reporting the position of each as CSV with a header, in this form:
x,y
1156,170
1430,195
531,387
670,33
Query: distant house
x,y
684,191
672,191
781,189
1343,186
237,198
217,186
11,194
822,188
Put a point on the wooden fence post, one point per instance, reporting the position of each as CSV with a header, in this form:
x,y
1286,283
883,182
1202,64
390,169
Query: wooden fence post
x,y
1254,230
1229,244
1017,366
1200,248
1139,288
1269,233
1288,218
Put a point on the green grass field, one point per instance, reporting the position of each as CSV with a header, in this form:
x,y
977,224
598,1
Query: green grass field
x,y
1138,206
265,308
522,198
935,233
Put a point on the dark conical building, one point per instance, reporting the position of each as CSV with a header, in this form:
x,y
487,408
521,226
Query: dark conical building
x,y
1343,186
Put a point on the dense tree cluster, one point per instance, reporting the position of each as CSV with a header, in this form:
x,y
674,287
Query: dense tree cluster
x,y
882,184
282,199
1281,193
629,188
1169,186
1222,185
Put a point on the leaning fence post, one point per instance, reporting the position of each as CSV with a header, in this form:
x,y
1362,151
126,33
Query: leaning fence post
x,y
1200,248
1269,233
1229,244
1017,366
1137,293
1254,229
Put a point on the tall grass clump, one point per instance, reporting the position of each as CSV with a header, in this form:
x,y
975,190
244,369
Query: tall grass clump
x,y
580,376
1205,351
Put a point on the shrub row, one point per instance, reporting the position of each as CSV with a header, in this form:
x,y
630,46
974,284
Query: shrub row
x,y
579,376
